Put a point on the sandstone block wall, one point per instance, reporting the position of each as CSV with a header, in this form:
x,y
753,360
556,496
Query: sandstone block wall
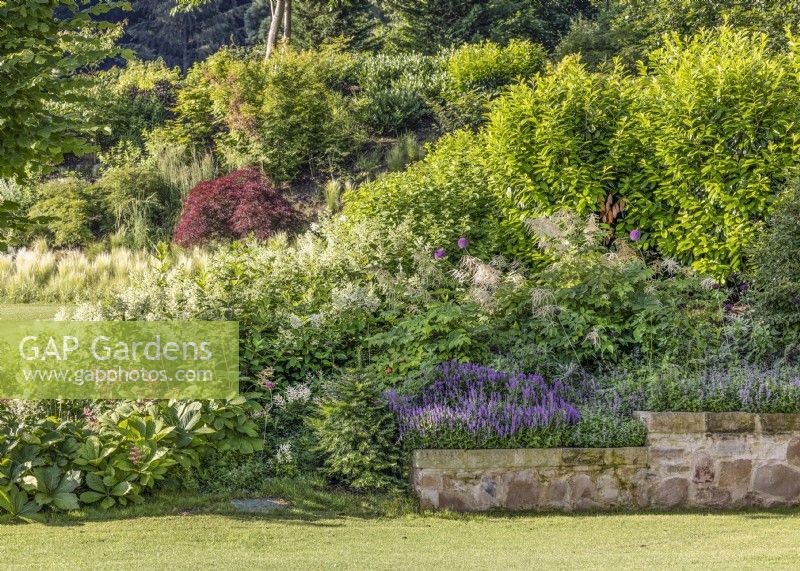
x,y
716,460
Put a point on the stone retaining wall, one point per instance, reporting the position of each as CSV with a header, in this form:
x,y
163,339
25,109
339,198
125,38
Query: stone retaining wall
x,y
717,460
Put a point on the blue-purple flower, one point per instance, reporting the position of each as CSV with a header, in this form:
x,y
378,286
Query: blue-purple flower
x,y
635,235
482,402
744,287
463,242
439,253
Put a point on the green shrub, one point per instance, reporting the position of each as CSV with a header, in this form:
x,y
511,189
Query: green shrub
x,y
776,267
477,74
488,67
562,144
723,130
134,100
357,436
77,215
444,331
693,152
593,306
283,115
396,91
630,30
443,197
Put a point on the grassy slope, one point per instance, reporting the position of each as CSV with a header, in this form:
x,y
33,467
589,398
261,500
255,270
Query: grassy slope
x,y
326,531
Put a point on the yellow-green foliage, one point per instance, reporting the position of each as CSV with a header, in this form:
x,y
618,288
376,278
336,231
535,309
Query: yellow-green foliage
x,y
694,148
443,197
697,145
140,75
71,209
478,73
487,66
283,115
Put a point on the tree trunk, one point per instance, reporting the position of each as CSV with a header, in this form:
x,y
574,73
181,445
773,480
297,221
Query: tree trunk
x,y
287,22
277,16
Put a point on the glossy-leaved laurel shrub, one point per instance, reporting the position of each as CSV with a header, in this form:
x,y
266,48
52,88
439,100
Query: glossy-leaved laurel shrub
x,y
694,148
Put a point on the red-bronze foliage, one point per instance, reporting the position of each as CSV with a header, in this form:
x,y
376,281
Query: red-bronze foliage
x,y
231,207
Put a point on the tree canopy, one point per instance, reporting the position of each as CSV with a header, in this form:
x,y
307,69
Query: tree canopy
x,y
44,45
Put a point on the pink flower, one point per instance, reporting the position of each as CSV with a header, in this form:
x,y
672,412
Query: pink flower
x,y
135,455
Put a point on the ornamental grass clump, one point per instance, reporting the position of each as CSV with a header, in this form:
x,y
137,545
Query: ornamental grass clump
x,y
472,406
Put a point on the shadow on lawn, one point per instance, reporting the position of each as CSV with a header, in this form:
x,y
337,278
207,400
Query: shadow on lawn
x,y
326,518
313,504
308,504
749,513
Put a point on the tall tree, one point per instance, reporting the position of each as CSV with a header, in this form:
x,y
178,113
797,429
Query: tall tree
x,y
272,35
44,103
181,37
428,25
312,22
631,28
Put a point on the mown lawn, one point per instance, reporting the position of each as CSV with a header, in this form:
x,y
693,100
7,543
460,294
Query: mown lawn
x,y
318,533
27,311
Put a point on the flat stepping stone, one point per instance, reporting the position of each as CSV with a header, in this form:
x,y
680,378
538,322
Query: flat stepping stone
x,y
259,505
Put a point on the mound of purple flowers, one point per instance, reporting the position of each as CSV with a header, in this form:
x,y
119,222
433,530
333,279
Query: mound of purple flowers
x,y
474,404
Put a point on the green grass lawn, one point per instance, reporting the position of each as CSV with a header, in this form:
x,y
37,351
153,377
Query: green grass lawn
x,y
26,311
323,532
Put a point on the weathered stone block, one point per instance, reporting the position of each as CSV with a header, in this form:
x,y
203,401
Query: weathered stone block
x,y
713,497
608,492
776,423
661,455
582,487
630,456
523,492
582,456
429,479
730,422
489,487
673,422
727,445
779,481
455,501
556,493
793,451
703,469
671,493
735,473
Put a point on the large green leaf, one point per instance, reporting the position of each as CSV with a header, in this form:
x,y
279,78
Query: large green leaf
x,y
17,503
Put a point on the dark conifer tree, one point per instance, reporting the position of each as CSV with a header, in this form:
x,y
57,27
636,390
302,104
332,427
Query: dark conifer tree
x,y
186,36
